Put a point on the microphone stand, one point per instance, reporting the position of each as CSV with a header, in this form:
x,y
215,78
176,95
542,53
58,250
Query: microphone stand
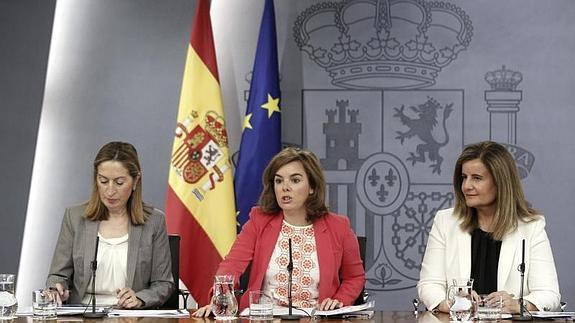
x,y
290,316
93,267
522,316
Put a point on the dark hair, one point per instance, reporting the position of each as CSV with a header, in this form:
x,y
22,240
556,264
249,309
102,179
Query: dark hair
x,y
126,154
510,200
315,203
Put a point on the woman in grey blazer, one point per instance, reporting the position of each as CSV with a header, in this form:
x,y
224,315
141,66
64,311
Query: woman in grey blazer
x,y
134,266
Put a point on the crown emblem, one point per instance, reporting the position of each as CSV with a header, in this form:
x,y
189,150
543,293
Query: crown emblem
x,y
215,126
401,44
503,79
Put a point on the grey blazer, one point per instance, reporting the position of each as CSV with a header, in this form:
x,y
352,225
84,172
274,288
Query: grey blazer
x,y
149,266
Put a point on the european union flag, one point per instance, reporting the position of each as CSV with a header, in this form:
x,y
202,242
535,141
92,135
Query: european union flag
x,y
261,135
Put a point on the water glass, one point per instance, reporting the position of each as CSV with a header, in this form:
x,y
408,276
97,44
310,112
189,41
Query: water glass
x,y
490,311
43,305
261,306
8,302
224,303
460,300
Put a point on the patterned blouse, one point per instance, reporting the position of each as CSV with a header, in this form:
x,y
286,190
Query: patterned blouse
x,y
305,279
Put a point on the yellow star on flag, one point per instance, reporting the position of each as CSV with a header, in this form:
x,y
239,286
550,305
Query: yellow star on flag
x,y
247,122
272,105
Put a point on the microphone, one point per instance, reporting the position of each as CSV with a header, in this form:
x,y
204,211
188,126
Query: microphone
x,y
289,268
522,315
93,267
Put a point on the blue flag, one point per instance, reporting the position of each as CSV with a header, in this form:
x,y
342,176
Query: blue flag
x,y
261,134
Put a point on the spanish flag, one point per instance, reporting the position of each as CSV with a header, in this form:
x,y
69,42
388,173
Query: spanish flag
x,y
200,199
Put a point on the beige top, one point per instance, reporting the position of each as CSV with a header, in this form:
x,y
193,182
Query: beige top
x,y
111,273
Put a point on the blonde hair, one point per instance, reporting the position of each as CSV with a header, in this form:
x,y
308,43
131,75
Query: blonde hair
x,y
315,203
126,154
511,205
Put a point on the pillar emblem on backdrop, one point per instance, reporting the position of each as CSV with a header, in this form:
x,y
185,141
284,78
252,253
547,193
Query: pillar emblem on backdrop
x,y
503,100
389,139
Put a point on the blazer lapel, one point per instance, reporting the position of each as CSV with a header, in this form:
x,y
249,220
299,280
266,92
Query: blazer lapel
x,y
269,235
509,247
464,254
134,232
90,234
324,255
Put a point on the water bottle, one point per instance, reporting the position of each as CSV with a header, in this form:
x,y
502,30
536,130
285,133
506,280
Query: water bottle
x,y
460,300
224,303
8,302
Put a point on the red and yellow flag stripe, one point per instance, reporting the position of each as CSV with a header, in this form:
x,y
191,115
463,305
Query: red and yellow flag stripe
x,y
200,200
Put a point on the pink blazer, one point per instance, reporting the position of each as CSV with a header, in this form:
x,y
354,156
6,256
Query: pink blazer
x,y
340,267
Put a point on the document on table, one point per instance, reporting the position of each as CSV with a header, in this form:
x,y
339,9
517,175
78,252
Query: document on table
x,y
148,313
111,312
281,310
362,311
79,310
551,315
348,310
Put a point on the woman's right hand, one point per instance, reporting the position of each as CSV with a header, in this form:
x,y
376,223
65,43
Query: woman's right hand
x,y
204,311
59,293
443,307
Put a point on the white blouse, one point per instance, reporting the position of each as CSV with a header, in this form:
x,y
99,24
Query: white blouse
x,y
111,273
305,275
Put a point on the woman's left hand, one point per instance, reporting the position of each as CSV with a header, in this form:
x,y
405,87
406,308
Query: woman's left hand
x,y
329,304
127,298
509,304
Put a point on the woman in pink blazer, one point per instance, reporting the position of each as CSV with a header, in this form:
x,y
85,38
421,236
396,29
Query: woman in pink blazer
x,y
328,271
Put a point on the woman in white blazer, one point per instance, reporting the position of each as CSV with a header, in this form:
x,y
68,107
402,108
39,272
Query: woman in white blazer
x,y
481,237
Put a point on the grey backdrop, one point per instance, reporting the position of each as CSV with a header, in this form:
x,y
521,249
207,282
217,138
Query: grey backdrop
x,y
115,69
25,29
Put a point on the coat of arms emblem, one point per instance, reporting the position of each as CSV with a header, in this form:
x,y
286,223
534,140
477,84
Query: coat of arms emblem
x,y
200,153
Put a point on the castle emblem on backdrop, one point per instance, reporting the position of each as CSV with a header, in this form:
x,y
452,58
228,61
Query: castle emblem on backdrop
x,y
389,137
199,159
383,43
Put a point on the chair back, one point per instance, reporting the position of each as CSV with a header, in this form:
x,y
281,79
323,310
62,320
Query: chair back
x,y
174,302
362,241
362,298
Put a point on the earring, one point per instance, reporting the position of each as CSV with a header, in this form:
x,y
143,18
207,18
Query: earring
x,y
134,189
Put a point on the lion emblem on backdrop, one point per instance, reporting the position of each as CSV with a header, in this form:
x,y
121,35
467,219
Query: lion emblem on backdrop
x,y
423,127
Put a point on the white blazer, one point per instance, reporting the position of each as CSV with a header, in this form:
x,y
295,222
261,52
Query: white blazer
x,y
448,256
